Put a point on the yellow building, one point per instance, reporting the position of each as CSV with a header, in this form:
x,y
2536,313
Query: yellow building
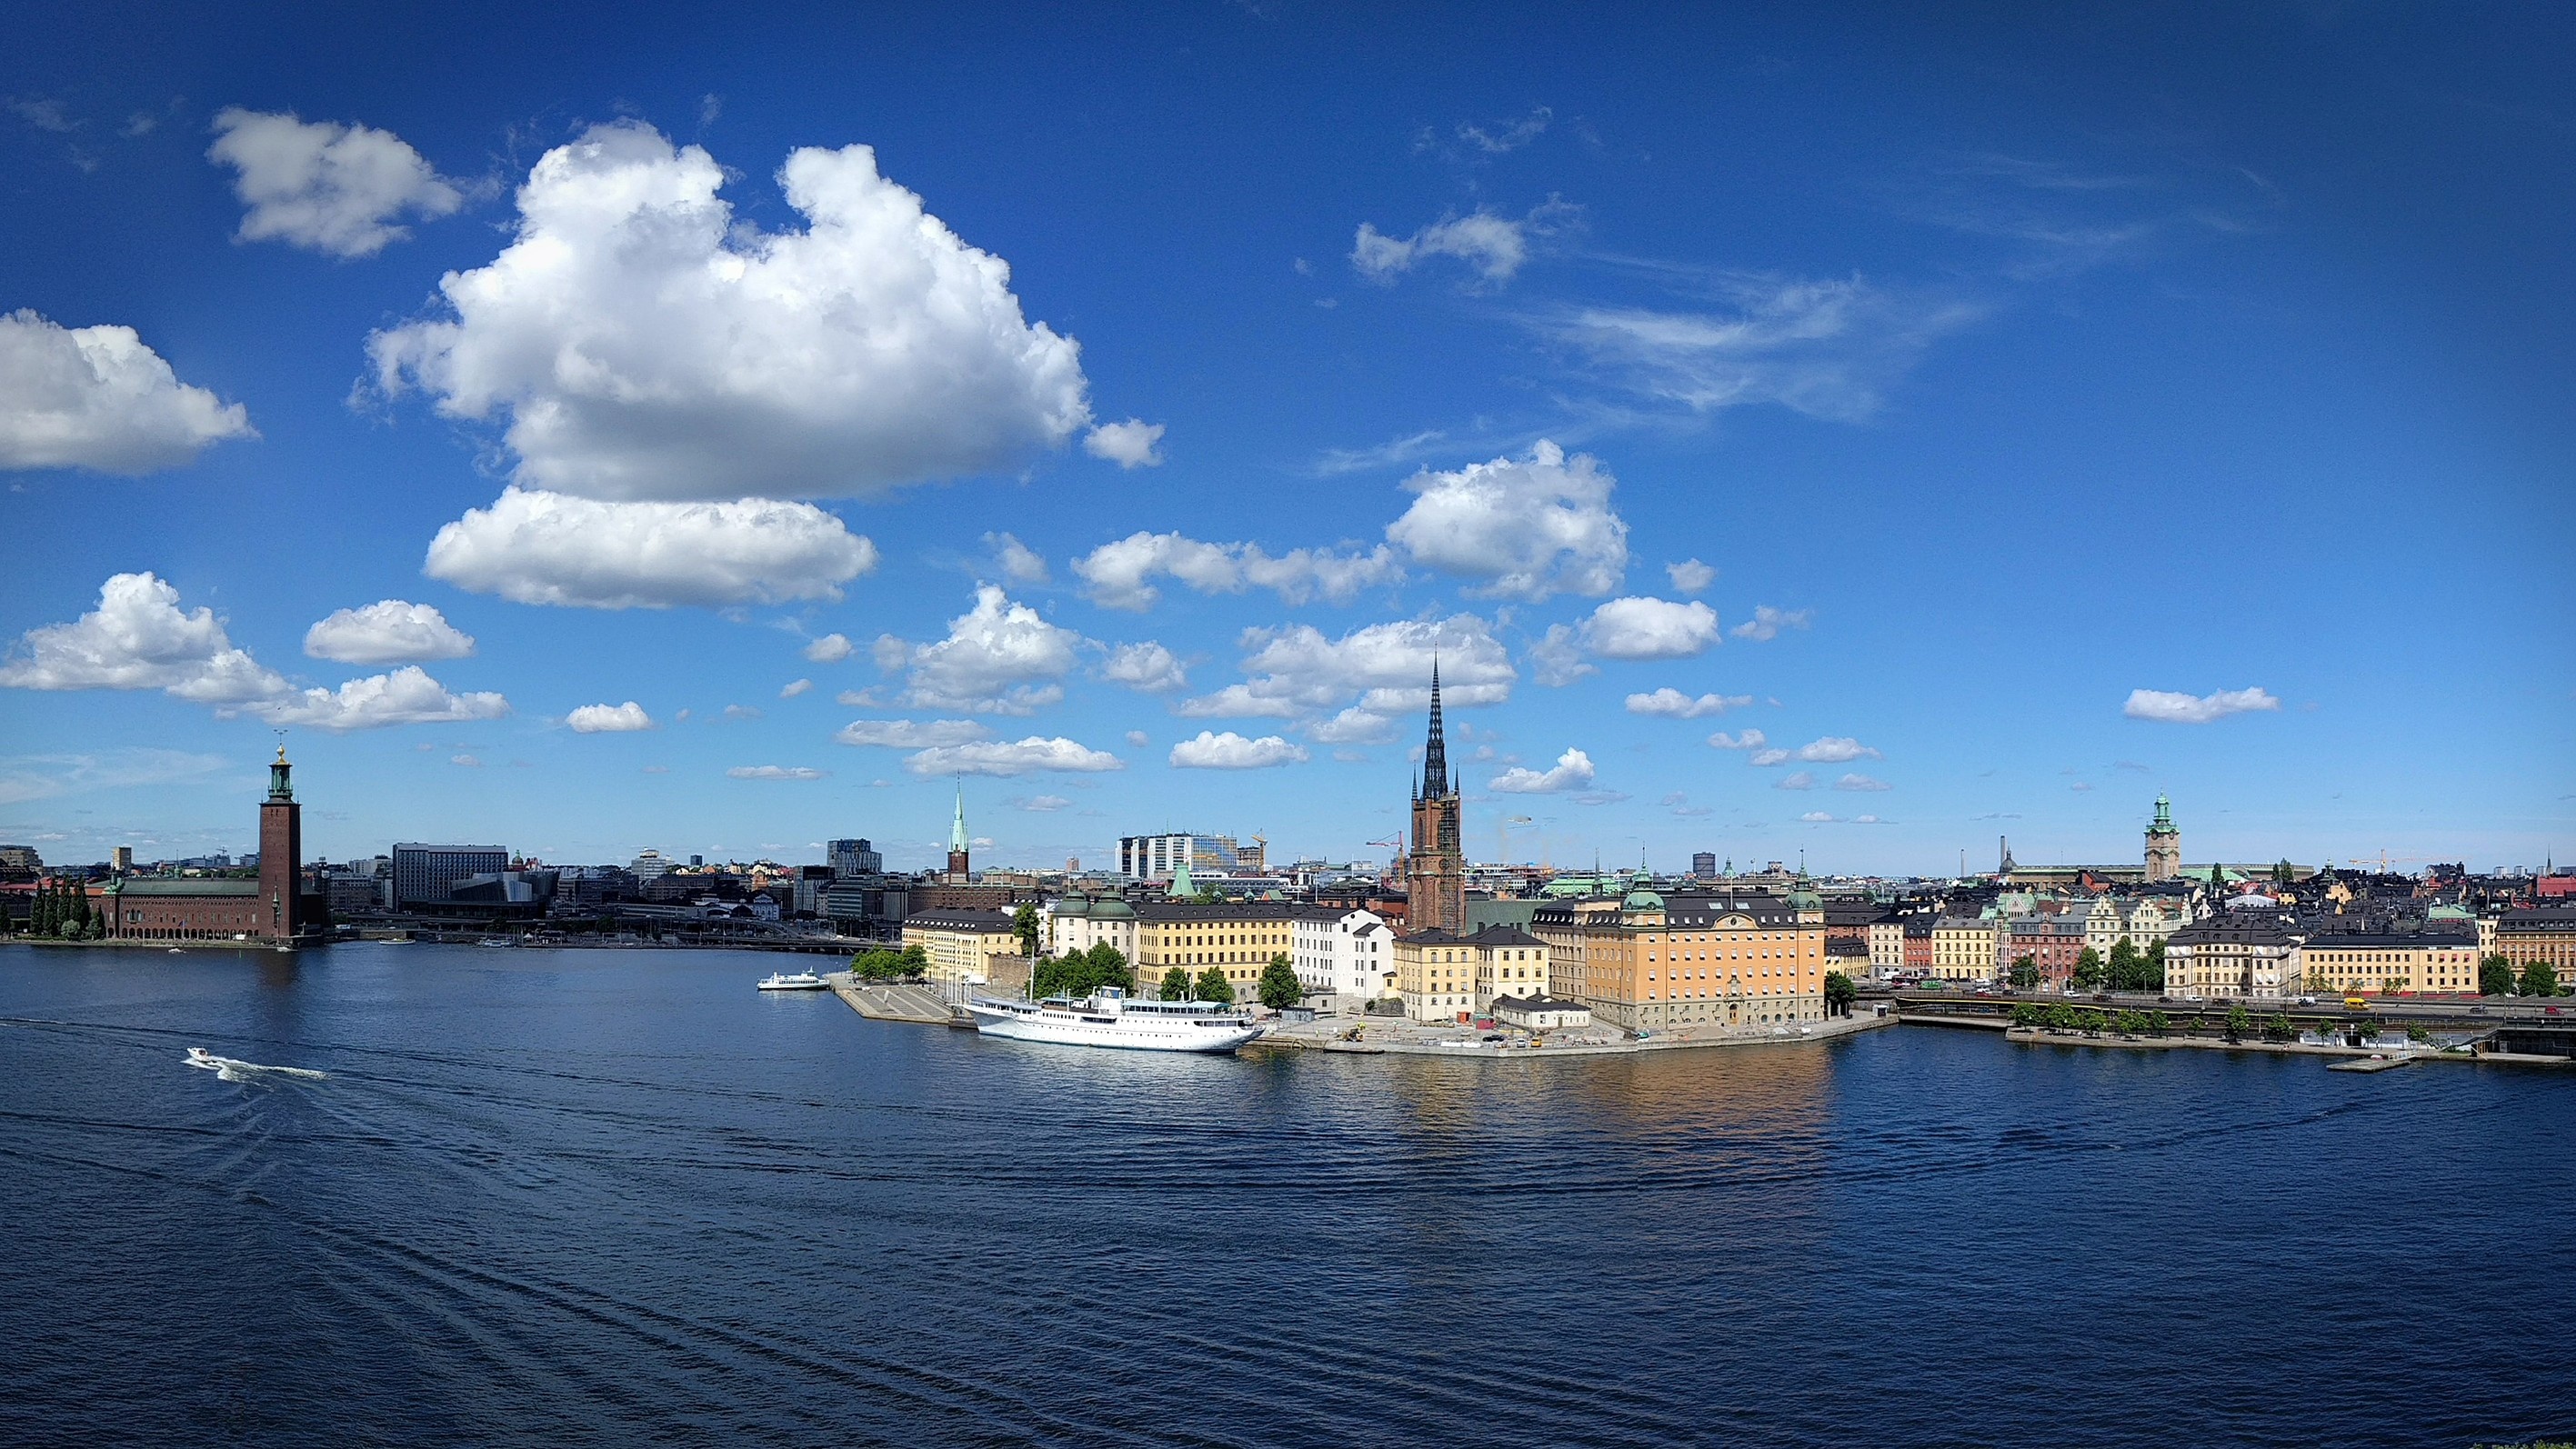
x,y
1452,976
1963,948
1729,959
1236,937
961,945
2386,963
2542,933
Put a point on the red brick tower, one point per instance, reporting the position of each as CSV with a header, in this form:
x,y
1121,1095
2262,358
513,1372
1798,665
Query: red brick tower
x,y
281,855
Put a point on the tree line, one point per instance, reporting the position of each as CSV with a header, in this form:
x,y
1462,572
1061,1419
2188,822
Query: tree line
x,y
60,911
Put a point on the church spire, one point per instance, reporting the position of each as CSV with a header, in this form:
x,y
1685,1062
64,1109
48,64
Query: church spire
x,y
957,832
1435,750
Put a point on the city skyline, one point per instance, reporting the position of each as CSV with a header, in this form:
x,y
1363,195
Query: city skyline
x,y
1769,470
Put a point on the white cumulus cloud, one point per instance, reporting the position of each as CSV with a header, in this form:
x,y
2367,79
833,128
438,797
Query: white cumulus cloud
x,y
1134,443
1019,563
139,638
1491,245
405,696
551,548
1572,771
1859,782
1120,575
776,772
645,343
1148,667
323,185
389,631
1231,751
830,649
999,658
1690,575
1529,527
795,687
1644,628
1767,622
1671,703
1802,780
609,719
2173,708
1298,673
1749,740
1835,750
907,734
1013,757
97,398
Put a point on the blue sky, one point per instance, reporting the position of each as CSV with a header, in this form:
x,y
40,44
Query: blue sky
x,y
2044,414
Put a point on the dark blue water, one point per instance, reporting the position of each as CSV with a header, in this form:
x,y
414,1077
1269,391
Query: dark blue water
x,y
616,1197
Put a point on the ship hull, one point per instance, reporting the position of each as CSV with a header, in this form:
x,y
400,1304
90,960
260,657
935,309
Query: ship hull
x,y
1127,1033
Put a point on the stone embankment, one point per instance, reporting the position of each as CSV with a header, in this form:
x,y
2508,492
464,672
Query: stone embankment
x,y
1374,1036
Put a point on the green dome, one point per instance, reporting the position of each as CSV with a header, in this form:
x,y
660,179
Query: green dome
x,y
1111,908
1803,899
1642,899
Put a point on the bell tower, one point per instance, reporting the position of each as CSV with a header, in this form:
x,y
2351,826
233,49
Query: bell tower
x,y
1435,871
2164,844
281,855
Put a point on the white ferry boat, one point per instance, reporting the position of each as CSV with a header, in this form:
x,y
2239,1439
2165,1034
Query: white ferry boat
x,y
795,981
1109,1019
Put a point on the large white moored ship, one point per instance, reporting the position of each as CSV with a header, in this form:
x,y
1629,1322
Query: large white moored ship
x,y
1109,1019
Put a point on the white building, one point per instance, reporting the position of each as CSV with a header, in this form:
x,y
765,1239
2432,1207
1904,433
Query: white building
x,y
1347,953
1077,922
1159,857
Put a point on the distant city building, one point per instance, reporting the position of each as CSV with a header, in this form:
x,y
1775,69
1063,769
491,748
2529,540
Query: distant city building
x,y
274,907
2237,953
2164,844
649,863
853,857
424,874
1342,951
1156,857
1704,864
1448,975
2540,934
121,860
20,859
961,945
1726,958
1435,869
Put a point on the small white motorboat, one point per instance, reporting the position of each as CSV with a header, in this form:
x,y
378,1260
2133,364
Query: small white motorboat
x,y
202,1058
797,981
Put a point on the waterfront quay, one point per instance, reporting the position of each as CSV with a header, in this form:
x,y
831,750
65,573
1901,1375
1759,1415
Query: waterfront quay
x,y
1376,1035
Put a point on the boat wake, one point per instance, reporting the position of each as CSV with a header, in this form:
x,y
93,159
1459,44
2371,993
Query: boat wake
x,y
229,1070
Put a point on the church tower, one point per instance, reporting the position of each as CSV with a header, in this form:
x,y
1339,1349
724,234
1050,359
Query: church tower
x,y
1435,871
2164,844
957,872
281,854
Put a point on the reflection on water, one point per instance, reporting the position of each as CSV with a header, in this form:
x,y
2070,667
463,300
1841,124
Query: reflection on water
x,y
550,1197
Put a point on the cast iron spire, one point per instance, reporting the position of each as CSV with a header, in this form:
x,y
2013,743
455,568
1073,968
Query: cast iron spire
x,y
1435,751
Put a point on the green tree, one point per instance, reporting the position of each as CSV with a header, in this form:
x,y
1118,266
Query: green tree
x,y
2495,975
2159,1023
2369,1031
2088,970
2025,972
1176,985
1083,973
40,912
1213,986
1280,988
2539,979
1024,924
2155,965
2278,1029
78,928
2239,1022
2128,970
2025,1014
1839,994
2284,872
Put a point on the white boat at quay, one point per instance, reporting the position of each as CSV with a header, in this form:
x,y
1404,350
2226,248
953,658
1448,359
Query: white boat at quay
x,y
1108,1019
797,981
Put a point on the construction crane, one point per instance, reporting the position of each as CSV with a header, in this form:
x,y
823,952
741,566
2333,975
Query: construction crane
x,y
2384,860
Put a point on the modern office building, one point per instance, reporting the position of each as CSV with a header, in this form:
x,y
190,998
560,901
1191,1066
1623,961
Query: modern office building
x,y
1159,857
425,874
1704,864
853,857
